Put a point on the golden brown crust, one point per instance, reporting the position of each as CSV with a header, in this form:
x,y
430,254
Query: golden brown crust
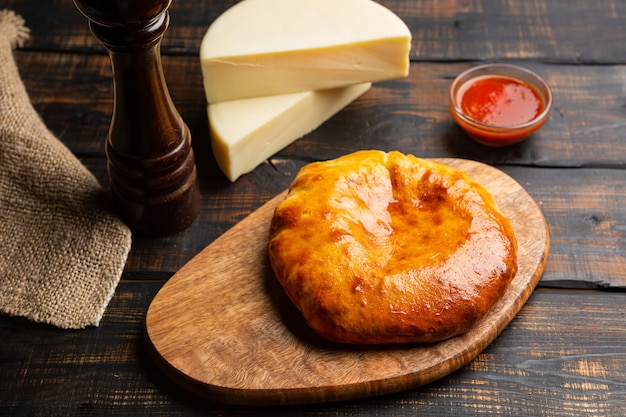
x,y
377,248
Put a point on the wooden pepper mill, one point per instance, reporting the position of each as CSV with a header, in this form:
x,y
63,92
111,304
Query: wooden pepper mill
x,y
150,159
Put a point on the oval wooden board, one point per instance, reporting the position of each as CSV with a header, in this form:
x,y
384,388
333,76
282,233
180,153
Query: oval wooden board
x,y
223,328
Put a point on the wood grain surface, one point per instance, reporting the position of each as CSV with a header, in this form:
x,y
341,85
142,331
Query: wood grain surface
x,y
561,356
223,328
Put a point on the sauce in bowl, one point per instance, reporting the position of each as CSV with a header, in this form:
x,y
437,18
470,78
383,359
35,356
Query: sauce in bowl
x,y
499,104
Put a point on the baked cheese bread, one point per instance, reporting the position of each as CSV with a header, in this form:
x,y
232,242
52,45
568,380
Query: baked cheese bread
x,y
379,248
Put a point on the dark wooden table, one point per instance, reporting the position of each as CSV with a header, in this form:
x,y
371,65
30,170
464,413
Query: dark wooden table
x,y
565,352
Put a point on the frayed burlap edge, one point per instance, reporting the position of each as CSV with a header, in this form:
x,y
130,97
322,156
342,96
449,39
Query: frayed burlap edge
x,y
63,247
13,29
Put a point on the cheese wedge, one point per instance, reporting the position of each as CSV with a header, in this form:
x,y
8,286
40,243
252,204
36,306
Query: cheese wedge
x,y
268,47
244,133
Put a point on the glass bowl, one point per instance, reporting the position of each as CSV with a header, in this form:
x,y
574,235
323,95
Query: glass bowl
x,y
490,130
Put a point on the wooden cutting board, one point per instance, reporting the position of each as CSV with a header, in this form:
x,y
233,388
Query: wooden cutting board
x,y
223,328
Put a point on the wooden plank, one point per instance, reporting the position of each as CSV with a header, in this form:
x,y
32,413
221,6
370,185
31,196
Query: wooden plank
x,y
514,29
585,212
57,25
73,93
442,30
586,127
106,370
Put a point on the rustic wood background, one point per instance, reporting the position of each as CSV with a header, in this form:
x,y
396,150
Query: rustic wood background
x,y
563,355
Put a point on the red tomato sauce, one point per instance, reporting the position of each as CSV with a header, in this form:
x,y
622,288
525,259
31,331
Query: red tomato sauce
x,y
499,101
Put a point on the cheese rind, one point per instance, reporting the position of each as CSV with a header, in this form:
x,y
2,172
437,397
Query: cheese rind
x,y
244,133
269,47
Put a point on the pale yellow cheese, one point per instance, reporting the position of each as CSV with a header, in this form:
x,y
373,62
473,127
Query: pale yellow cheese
x,y
246,132
267,47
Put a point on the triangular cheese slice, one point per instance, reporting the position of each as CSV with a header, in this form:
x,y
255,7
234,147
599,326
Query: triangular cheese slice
x,y
246,132
267,47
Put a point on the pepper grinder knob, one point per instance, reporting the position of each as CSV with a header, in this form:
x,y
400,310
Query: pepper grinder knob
x,y
149,155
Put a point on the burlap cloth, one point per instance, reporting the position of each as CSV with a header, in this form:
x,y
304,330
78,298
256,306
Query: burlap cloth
x,y
62,248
